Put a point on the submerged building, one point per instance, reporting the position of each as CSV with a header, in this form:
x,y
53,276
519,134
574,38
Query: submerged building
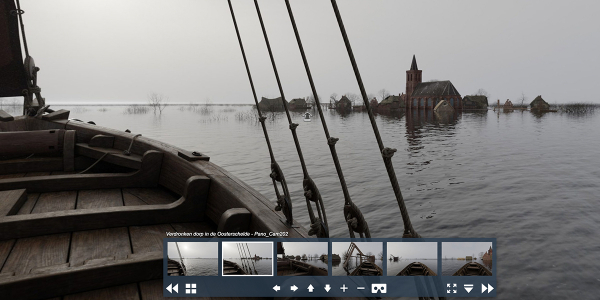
x,y
426,95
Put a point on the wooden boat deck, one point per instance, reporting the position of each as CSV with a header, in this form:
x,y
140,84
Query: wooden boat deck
x,y
367,268
100,235
472,269
416,269
231,268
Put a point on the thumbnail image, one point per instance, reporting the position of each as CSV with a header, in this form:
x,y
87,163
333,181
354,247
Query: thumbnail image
x,y
412,259
247,258
193,259
467,259
357,258
302,259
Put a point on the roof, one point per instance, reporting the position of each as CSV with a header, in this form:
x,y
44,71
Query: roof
x,y
413,66
271,102
390,99
298,101
476,99
538,99
435,88
345,99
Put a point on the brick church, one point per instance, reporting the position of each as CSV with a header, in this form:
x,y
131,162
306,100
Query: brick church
x,y
426,95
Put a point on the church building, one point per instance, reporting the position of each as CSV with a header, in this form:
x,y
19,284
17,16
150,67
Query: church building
x,y
426,95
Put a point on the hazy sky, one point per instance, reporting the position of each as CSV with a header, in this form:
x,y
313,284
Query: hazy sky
x,y
413,250
262,249
120,51
341,247
194,250
308,248
462,249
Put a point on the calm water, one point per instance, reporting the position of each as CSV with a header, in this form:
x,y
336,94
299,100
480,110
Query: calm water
x,y
530,181
262,266
450,266
201,266
393,267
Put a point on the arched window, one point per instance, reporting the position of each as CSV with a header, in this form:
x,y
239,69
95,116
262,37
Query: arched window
x,y
414,102
422,100
452,102
430,102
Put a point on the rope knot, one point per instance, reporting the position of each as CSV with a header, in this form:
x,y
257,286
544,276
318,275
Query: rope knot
x,y
293,126
331,141
388,152
315,227
262,119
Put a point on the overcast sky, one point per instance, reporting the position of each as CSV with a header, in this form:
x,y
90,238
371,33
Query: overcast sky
x,y
194,250
120,51
262,249
413,250
308,248
462,249
341,247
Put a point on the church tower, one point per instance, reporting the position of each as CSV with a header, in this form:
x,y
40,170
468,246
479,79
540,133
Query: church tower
x,y
413,78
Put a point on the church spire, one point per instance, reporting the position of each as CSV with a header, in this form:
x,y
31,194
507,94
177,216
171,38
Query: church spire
x,y
413,66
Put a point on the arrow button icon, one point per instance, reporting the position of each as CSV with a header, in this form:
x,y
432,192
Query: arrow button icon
x,y
294,288
310,288
170,288
276,288
176,288
483,288
327,288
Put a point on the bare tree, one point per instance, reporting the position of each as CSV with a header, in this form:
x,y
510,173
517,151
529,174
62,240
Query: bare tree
x,y
383,93
523,98
157,102
482,92
353,98
380,255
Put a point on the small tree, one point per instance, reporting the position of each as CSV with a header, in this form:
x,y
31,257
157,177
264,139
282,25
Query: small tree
x,y
353,98
380,255
383,93
157,102
482,92
523,98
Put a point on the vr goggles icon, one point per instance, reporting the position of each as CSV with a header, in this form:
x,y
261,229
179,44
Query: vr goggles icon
x,y
378,287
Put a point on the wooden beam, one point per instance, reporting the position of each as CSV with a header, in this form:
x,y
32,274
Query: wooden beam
x,y
28,142
11,201
234,220
5,117
34,164
103,141
69,151
64,281
61,114
190,207
146,176
132,161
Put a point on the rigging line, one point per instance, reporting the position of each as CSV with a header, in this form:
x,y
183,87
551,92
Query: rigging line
x,y
331,141
242,257
19,13
386,153
284,202
311,192
181,258
252,258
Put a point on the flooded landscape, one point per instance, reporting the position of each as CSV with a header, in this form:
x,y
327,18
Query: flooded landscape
x,y
531,181
201,266
394,267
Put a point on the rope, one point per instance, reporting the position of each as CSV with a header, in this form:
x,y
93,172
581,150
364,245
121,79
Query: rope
x,y
331,141
284,202
241,258
19,12
386,153
311,192
97,161
181,258
128,151
252,258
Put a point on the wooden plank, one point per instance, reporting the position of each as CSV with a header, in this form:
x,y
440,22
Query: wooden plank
x,y
189,208
5,248
55,201
102,141
125,292
61,114
147,176
39,141
42,251
11,201
101,243
99,198
33,164
5,117
83,278
16,175
151,196
16,125
27,207
148,238
114,156
69,151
